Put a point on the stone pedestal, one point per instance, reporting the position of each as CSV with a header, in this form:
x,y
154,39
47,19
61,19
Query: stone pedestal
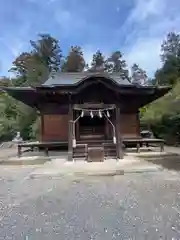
x,y
17,138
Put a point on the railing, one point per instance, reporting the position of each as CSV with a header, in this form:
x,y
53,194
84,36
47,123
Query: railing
x,y
81,151
109,150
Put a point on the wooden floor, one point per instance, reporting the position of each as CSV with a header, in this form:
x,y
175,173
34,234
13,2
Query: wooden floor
x,y
89,141
82,146
43,144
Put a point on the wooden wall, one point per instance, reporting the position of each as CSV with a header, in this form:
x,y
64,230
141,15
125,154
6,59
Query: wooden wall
x,y
54,125
130,125
54,122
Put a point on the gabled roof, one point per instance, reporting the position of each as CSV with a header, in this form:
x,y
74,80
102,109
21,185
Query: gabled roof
x,y
74,83
27,95
67,79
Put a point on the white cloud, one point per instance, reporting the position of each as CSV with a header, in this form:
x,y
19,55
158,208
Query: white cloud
x,y
11,49
88,51
17,47
143,9
51,1
63,17
145,52
88,56
69,21
151,21
14,45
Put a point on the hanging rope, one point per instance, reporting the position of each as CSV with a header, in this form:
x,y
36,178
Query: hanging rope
x,y
107,115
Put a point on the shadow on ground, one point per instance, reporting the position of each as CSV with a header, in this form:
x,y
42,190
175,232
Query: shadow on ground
x,y
169,162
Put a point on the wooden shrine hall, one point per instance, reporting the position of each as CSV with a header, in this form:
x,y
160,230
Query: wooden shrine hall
x,y
93,114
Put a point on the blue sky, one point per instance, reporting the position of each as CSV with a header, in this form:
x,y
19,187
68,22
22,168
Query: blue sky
x,y
136,27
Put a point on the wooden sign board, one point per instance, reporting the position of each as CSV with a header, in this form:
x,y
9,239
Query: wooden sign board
x,y
95,154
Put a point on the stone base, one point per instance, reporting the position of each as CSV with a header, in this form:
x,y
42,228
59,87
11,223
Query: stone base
x,y
151,154
59,168
33,160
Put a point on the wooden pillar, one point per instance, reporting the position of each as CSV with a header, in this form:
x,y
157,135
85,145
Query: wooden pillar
x,y
70,131
41,123
138,127
119,149
19,151
108,130
77,134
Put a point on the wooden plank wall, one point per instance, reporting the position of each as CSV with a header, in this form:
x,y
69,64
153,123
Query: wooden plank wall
x,y
129,125
55,127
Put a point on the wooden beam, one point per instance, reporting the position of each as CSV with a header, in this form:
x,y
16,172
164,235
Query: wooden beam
x,y
119,149
70,131
93,106
41,126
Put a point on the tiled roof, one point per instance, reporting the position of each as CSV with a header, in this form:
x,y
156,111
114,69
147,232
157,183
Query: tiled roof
x,y
75,78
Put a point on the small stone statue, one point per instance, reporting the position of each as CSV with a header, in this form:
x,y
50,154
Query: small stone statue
x,y
17,138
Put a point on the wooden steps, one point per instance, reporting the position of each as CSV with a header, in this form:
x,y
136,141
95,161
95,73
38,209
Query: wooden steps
x,y
81,150
109,150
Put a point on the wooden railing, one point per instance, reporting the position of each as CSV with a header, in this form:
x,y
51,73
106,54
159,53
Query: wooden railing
x,y
81,151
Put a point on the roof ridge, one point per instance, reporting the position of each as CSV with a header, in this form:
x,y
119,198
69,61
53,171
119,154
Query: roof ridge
x,y
70,78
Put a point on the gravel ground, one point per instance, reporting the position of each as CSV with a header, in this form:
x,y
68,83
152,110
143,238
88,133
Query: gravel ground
x,y
133,206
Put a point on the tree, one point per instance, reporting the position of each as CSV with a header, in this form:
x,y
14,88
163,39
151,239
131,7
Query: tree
x,y
170,47
98,62
74,62
21,64
164,114
48,51
8,110
5,82
116,64
33,68
30,69
139,76
169,73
